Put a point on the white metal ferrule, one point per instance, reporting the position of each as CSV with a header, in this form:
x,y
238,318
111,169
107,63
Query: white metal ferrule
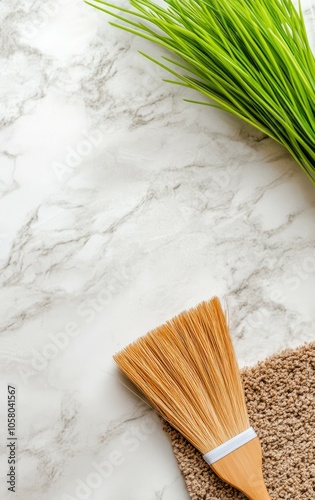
x,y
229,446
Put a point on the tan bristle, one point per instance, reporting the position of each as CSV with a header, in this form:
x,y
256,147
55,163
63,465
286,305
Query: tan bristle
x,y
188,370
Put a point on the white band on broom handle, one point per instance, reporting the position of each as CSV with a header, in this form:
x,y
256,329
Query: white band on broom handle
x,y
229,446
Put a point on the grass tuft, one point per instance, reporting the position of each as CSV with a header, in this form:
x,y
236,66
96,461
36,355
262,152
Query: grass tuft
x,y
253,58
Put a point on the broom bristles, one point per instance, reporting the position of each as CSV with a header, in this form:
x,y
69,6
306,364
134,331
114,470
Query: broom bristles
x,y
188,370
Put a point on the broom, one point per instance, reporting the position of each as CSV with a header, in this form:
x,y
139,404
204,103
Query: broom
x,y
188,370
253,58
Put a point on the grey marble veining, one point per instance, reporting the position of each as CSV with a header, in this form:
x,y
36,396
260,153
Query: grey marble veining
x,y
121,206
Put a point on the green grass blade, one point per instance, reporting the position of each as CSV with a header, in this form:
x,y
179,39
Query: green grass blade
x,y
251,58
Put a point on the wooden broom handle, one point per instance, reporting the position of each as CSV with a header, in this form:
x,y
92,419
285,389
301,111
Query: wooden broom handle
x,y
243,469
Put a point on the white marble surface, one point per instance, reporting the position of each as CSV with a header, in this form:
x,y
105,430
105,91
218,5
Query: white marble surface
x,y
122,205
